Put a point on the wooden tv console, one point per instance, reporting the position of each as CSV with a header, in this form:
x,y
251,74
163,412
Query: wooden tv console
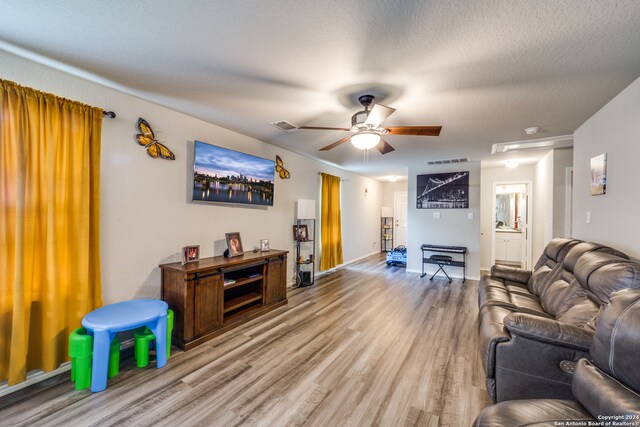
x,y
214,295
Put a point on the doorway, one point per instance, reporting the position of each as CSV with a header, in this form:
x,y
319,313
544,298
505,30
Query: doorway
x,y
568,201
511,233
400,218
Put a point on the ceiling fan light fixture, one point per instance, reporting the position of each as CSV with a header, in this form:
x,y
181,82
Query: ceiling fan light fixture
x,y
365,140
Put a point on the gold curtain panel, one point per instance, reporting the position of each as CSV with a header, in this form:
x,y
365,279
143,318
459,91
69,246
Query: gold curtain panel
x,y
331,230
49,226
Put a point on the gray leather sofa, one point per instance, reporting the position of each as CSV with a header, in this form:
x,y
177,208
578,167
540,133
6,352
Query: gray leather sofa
x,y
606,389
534,327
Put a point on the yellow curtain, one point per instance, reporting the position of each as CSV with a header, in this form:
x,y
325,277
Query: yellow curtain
x,y
331,233
49,226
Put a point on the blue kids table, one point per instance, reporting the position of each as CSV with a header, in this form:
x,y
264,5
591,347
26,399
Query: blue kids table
x,y
104,322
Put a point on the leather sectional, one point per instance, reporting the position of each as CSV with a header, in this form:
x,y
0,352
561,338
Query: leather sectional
x,y
535,325
606,388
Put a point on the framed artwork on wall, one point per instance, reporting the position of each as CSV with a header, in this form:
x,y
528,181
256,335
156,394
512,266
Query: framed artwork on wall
x,y
599,175
443,191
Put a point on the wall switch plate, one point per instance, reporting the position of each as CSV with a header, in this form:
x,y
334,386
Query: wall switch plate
x,y
436,215
588,217
469,215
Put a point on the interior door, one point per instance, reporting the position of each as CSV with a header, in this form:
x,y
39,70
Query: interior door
x,y
400,218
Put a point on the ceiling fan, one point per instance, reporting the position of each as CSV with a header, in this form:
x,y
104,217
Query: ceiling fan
x,y
367,132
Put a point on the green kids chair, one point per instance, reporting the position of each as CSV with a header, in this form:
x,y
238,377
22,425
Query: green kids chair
x,y
143,338
81,353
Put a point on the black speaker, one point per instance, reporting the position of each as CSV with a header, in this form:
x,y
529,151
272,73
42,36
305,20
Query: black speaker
x,y
305,278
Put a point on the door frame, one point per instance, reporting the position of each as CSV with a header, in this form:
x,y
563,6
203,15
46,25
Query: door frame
x,y
528,236
568,201
395,217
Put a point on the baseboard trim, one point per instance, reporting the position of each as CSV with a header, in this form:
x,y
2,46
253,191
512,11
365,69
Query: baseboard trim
x,y
35,377
338,267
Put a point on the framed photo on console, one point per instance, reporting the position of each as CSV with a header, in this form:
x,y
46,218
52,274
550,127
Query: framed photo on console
x,y
264,245
190,254
234,244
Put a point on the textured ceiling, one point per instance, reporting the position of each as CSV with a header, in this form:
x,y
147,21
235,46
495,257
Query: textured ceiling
x,y
484,70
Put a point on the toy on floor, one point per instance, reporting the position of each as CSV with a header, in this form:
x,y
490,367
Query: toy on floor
x,y
398,256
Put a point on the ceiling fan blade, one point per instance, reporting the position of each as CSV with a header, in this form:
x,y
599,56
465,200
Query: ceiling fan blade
x,y
415,130
384,147
335,144
322,128
378,115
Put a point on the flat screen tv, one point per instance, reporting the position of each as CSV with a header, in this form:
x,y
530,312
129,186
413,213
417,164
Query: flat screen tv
x,y
221,175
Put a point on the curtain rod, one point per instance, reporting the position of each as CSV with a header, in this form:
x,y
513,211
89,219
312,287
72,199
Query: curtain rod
x,y
341,178
109,114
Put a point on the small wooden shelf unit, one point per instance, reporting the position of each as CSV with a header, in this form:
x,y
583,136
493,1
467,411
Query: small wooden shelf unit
x,y
205,306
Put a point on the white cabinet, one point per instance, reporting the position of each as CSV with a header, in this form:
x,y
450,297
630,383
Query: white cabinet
x,y
508,246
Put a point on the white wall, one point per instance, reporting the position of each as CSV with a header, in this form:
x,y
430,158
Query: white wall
x,y
388,190
145,217
542,205
452,228
487,216
562,159
614,130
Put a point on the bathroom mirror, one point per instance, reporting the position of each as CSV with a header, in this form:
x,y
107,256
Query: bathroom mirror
x,y
511,206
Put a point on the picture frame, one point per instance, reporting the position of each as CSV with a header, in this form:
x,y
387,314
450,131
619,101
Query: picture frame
x,y
599,175
264,245
448,190
300,233
234,244
190,254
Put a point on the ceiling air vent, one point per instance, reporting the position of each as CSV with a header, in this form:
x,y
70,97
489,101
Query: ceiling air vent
x,y
283,125
447,161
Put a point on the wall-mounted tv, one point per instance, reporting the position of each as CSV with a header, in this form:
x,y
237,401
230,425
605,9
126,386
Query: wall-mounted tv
x,y
221,175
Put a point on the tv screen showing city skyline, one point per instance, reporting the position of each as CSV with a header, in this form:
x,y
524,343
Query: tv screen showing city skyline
x,y
221,175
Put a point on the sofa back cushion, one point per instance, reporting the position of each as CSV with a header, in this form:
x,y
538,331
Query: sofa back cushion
x,y
616,344
560,291
555,252
552,256
602,274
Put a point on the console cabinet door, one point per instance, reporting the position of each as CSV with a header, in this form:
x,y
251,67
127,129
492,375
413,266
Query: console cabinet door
x,y
276,289
208,303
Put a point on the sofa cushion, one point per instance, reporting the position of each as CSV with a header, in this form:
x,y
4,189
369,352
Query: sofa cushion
x,y
598,275
602,274
542,413
559,292
602,395
555,251
616,346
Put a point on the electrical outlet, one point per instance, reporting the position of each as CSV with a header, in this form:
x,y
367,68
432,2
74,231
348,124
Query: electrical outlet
x,y
470,215
436,215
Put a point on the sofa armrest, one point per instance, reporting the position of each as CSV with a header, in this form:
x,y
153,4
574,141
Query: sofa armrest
x,y
548,331
513,274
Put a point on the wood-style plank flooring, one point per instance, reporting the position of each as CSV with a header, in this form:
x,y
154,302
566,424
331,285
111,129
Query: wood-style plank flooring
x,y
367,345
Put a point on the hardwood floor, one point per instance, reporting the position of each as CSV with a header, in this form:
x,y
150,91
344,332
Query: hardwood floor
x,y
367,345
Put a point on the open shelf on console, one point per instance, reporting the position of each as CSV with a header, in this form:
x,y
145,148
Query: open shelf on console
x,y
240,301
242,281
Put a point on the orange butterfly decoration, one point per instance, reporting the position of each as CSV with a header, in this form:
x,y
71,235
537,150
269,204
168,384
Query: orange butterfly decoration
x,y
148,139
284,174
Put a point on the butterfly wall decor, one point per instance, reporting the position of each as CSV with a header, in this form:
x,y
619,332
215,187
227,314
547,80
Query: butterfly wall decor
x,y
284,174
148,139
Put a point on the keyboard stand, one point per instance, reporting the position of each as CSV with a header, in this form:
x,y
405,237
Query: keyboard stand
x,y
441,261
444,260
